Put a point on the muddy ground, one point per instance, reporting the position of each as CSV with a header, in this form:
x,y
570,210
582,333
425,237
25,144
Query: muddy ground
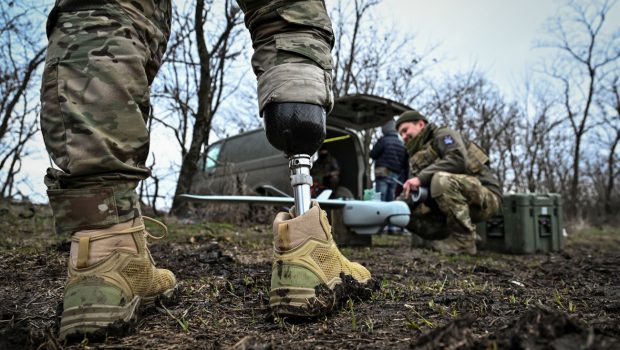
x,y
567,300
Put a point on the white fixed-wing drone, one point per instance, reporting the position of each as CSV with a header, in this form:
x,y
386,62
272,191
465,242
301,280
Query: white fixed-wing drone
x,y
361,217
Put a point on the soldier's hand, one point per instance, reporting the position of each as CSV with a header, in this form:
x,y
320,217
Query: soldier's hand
x,y
411,185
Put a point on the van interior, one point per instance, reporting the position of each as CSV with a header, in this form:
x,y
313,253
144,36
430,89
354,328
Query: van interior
x,y
341,146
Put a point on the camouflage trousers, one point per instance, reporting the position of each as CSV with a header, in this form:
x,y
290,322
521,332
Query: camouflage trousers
x,y
103,56
458,201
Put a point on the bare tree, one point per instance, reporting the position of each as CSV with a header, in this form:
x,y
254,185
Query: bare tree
x,y
585,54
196,80
369,59
344,60
610,105
472,105
21,53
536,128
374,60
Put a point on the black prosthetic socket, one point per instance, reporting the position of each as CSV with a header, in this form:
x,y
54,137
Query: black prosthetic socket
x,y
295,127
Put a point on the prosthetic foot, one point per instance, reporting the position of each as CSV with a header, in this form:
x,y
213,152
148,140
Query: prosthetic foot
x,y
112,277
310,276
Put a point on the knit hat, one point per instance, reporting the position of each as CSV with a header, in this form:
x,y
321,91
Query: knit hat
x,y
389,126
410,116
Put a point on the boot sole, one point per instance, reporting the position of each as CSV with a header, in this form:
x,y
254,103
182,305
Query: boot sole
x,y
98,321
303,302
323,299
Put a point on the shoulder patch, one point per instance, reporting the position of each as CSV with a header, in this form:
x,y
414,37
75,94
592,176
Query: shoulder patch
x,y
448,140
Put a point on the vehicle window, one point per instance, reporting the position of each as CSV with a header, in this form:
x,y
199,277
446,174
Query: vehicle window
x,y
248,147
212,153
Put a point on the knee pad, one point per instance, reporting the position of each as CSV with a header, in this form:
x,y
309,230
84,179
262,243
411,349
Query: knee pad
x,y
295,128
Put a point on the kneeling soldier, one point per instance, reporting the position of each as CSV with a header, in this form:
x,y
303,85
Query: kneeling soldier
x,y
462,187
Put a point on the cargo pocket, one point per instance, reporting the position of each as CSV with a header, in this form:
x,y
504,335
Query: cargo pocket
x,y
52,121
79,209
310,14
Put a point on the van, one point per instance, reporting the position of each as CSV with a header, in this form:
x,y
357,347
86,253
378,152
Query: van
x,y
248,164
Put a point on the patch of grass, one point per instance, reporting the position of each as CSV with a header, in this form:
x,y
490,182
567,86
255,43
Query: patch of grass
x,y
421,320
493,346
598,231
386,291
558,299
247,280
563,302
182,321
604,236
352,312
483,309
369,323
443,284
22,225
412,324
463,259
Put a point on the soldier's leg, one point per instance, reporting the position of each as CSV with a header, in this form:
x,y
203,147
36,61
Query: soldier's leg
x,y
292,42
426,224
101,59
455,195
381,186
487,205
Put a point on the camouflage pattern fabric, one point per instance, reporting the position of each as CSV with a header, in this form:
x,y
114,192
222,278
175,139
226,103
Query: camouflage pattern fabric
x,y
458,201
443,149
292,42
102,57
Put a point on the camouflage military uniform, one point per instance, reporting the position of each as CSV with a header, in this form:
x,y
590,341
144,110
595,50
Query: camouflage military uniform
x,y
463,189
102,57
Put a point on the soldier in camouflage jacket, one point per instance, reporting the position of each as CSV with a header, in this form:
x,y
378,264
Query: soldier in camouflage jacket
x,y
462,188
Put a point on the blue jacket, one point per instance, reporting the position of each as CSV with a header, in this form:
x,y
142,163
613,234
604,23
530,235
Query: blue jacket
x,y
390,152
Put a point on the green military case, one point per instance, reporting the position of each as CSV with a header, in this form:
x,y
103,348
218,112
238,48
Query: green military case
x,y
529,223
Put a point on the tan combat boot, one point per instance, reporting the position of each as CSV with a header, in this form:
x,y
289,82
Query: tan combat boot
x,y
455,244
112,276
310,276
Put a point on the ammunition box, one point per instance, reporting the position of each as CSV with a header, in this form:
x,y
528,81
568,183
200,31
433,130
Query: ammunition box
x,y
529,223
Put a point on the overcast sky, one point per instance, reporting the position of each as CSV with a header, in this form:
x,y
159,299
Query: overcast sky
x,y
496,36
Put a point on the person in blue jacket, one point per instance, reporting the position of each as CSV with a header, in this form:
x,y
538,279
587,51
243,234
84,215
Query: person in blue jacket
x,y
391,161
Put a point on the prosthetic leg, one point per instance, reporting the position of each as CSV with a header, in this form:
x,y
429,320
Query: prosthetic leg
x,y
292,41
310,276
297,129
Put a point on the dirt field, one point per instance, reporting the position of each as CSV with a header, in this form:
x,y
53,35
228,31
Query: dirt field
x,y
569,300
